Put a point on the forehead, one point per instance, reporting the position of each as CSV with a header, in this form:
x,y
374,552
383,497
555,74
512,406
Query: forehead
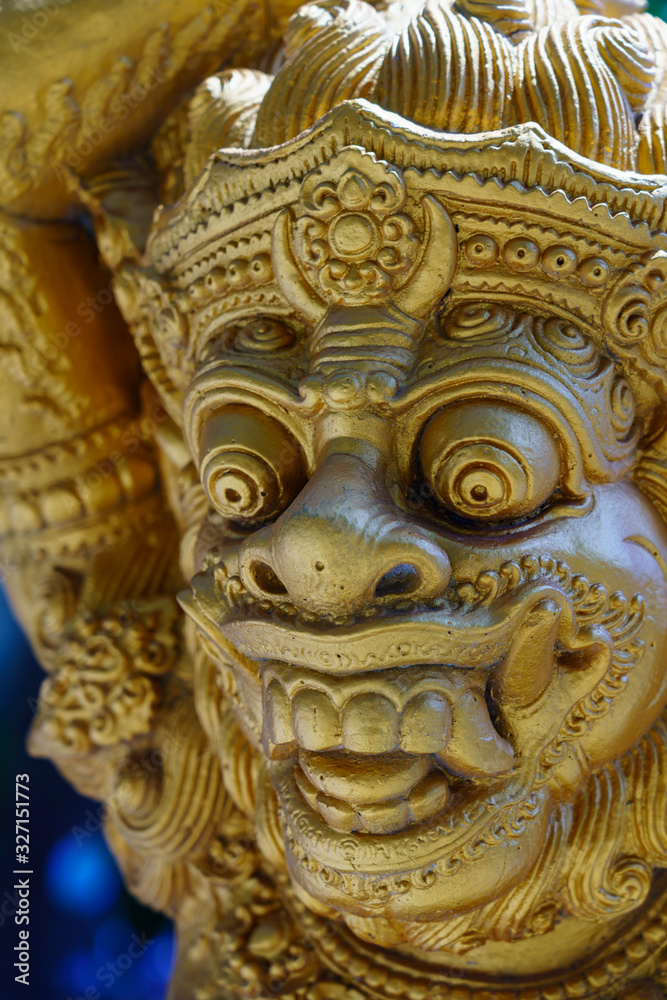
x,y
362,233
360,246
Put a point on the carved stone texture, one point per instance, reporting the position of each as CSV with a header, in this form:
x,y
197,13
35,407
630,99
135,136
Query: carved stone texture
x,y
401,453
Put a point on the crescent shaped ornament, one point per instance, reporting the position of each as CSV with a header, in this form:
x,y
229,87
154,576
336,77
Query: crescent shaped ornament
x,y
294,287
435,272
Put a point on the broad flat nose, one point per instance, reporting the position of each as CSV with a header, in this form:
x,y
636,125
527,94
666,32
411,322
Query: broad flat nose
x,y
343,545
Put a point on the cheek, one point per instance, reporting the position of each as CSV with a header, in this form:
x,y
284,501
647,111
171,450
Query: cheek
x,y
621,546
630,541
621,543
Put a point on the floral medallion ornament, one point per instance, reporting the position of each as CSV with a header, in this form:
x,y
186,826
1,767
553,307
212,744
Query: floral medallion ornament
x,y
352,236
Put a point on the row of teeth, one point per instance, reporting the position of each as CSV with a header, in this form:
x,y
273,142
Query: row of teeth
x,y
449,719
423,802
368,723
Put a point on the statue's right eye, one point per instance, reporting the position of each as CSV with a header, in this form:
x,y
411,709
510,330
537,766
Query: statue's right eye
x,y
251,467
490,461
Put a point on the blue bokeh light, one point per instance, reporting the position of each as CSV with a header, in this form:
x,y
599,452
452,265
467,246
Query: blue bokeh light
x,y
82,878
109,971
160,958
111,937
75,973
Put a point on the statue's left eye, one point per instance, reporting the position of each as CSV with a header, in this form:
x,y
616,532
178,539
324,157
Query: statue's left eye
x,y
490,461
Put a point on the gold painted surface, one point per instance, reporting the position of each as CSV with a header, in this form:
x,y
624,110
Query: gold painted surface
x,y
338,485
86,82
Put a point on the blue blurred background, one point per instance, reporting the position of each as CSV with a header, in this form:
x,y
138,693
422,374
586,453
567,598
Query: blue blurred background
x,y
81,917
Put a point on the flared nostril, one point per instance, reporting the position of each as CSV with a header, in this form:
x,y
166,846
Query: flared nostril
x,y
400,580
266,580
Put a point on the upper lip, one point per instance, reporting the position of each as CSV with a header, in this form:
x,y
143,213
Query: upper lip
x,y
480,637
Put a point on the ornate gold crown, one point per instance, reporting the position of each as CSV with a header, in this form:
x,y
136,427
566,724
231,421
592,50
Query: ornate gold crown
x,y
356,208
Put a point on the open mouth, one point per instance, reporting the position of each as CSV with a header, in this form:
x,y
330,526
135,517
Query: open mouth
x,y
374,751
395,716
411,751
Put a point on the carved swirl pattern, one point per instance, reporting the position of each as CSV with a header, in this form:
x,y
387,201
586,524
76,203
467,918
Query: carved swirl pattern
x,y
600,877
471,77
485,324
584,79
635,314
263,336
491,65
622,403
353,235
333,52
168,799
105,685
222,113
568,345
515,18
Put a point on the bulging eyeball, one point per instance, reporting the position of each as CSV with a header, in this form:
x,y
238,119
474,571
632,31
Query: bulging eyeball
x,y
490,460
250,465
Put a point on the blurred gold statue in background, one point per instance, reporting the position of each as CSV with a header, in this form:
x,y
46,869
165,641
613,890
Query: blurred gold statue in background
x,y
348,562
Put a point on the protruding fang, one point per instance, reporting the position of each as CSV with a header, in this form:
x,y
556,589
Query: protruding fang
x,y
475,749
529,664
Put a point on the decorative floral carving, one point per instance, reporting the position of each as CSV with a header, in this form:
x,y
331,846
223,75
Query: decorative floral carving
x,y
259,950
635,317
105,684
351,234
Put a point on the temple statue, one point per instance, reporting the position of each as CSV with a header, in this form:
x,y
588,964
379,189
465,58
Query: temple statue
x,y
333,480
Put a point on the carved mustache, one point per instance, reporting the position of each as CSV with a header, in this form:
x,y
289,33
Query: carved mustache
x,y
466,639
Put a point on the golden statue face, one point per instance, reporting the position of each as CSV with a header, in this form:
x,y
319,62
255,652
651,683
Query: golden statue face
x,y
438,625
405,305
430,584
419,367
